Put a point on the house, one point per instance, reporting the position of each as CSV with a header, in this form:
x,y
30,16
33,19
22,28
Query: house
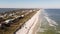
x,y
6,23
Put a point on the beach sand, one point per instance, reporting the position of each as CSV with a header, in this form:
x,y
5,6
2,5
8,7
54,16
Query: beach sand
x,y
34,27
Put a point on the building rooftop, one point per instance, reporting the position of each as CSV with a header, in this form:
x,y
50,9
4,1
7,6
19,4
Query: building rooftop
x,y
18,24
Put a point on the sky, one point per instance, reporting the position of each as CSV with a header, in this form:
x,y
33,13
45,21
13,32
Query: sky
x,y
29,3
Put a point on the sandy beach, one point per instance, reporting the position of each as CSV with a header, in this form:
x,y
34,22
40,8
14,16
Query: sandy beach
x,y
34,28
28,27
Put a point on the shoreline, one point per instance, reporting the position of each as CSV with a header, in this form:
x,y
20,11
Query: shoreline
x,y
35,25
28,25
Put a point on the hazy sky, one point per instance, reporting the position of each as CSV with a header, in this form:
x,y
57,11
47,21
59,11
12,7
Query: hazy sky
x,y
29,3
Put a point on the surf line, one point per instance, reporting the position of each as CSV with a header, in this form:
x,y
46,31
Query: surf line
x,y
51,22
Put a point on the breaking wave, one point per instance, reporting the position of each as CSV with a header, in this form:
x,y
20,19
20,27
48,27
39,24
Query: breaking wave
x,y
50,21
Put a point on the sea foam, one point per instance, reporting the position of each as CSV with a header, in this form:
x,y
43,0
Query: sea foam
x,y
51,22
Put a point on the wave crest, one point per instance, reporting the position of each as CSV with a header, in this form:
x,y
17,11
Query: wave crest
x,y
51,22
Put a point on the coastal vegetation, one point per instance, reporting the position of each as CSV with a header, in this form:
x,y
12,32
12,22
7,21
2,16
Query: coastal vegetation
x,y
15,26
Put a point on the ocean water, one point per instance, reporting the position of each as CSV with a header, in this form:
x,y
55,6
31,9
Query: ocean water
x,y
49,22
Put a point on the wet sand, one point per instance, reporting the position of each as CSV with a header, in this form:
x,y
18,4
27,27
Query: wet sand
x,y
36,25
34,28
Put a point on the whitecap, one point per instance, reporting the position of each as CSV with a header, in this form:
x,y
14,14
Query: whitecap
x,y
51,22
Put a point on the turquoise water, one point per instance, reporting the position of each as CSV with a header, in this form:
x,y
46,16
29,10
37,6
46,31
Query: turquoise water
x,y
50,22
